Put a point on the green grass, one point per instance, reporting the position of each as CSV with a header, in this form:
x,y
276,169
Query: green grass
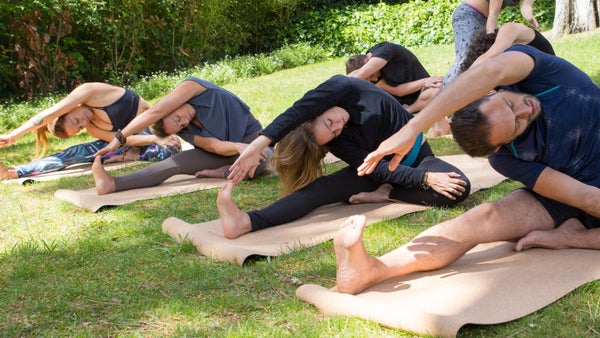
x,y
68,272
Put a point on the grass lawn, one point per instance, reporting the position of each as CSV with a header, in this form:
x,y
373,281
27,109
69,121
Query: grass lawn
x,y
65,271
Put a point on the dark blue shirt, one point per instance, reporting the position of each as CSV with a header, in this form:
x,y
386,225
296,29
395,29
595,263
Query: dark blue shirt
x,y
566,135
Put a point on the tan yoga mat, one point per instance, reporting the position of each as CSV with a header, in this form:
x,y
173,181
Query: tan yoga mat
x,y
178,184
491,284
316,227
79,169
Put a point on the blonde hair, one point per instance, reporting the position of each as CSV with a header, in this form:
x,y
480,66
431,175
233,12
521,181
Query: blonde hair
x,y
299,159
41,139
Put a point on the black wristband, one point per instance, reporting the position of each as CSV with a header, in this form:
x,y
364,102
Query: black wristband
x,y
119,136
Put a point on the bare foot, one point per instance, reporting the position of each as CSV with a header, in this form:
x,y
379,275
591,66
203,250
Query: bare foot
x,y
105,184
234,221
556,238
133,154
354,265
381,194
212,173
440,128
7,173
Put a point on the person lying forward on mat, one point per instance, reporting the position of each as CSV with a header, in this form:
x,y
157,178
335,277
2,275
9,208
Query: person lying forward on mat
x,y
540,128
102,110
217,122
349,117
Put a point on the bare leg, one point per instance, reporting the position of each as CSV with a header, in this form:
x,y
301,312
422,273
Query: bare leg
x,y
213,173
133,154
105,184
352,259
440,128
423,99
558,238
7,173
234,221
381,194
505,220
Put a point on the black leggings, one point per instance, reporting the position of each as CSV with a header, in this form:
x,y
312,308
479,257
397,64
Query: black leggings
x,y
341,185
186,162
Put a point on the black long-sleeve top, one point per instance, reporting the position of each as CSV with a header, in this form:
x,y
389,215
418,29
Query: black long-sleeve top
x,y
374,116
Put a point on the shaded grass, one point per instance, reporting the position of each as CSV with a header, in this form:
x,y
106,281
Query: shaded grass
x,y
68,272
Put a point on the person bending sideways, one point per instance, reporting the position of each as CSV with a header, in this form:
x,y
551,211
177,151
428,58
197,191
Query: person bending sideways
x,y
349,117
217,122
396,70
102,110
486,45
540,127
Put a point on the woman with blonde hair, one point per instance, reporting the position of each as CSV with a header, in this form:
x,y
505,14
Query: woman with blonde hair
x,y
348,117
102,110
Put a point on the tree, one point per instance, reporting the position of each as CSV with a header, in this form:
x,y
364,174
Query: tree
x,y
573,16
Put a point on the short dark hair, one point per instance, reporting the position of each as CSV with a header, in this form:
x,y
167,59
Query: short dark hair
x,y
471,129
355,62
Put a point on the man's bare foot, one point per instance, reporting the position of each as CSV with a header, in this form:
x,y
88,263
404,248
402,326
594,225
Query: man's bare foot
x,y
105,184
234,221
213,173
355,268
381,194
557,238
7,173
133,154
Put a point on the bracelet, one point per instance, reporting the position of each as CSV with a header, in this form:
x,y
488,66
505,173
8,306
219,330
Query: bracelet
x,y
424,180
120,137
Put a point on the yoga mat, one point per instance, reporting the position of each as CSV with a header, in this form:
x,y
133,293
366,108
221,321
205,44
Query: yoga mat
x,y
178,184
79,169
491,284
316,227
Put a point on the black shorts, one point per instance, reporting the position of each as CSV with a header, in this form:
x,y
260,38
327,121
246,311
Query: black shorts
x,y
561,212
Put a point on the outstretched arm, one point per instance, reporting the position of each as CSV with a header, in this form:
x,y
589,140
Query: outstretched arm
x,y
180,95
565,189
504,69
92,94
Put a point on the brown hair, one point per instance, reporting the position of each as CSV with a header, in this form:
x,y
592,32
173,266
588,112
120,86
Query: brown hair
x,y
481,42
158,128
355,62
299,159
471,129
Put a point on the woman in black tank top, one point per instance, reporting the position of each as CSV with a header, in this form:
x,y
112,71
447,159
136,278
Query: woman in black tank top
x,y
99,108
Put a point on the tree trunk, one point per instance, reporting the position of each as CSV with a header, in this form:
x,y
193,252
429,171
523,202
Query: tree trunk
x,y
573,16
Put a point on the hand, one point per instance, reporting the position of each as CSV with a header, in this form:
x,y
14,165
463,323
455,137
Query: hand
x,y
246,163
6,140
111,146
399,144
447,184
170,141
433,82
